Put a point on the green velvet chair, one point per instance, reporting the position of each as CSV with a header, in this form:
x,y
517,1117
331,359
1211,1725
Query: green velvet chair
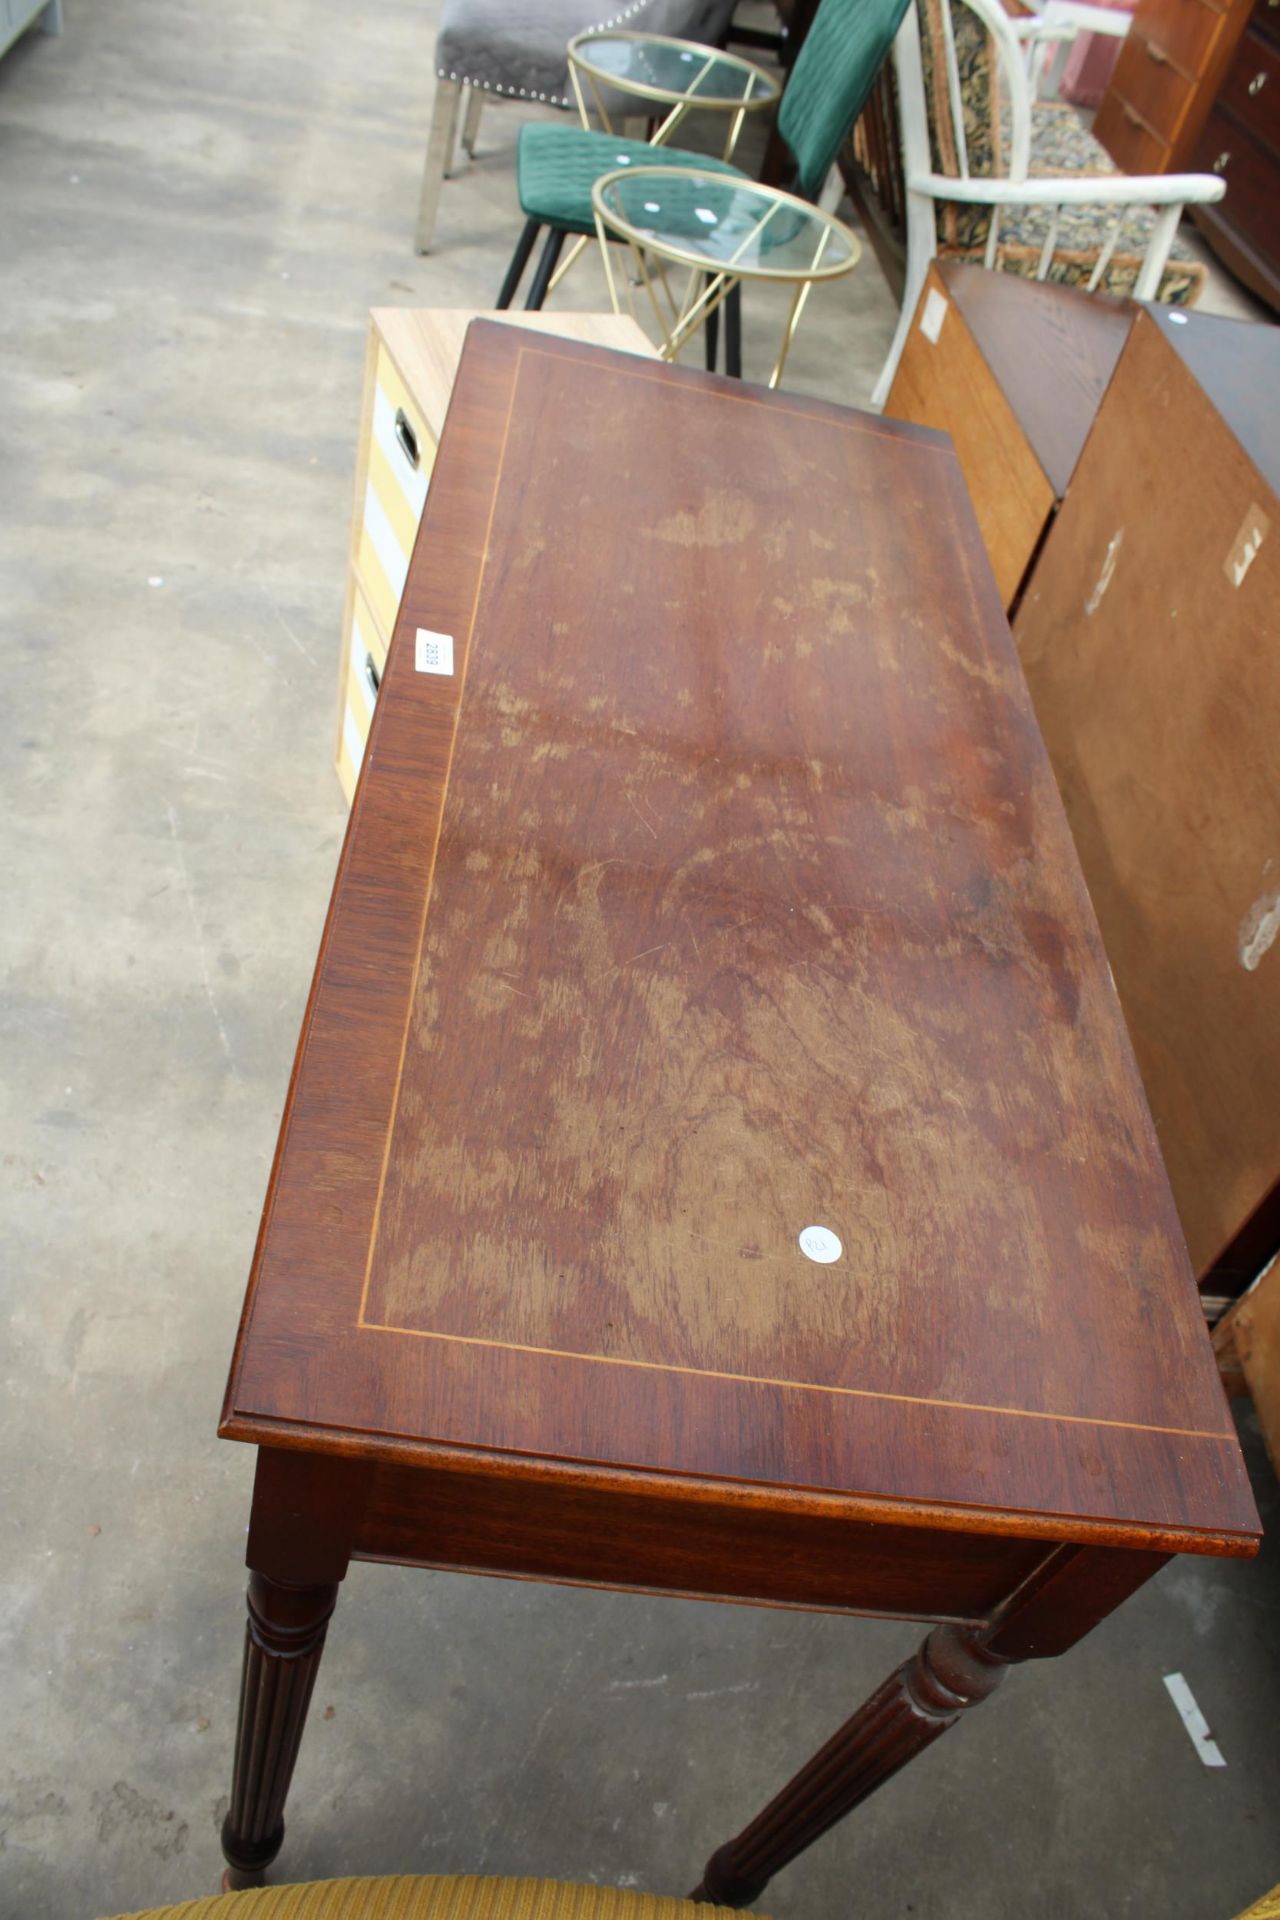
x,y
834,72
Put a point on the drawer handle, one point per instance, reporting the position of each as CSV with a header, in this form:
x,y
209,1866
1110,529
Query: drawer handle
x,y
1131,116
1222,161
407,437
1157,54
371,674
1257,83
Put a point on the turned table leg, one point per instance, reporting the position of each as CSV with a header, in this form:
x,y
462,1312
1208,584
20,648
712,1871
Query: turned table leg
x,y
305,1510
1061,1600
951,1671
284,1638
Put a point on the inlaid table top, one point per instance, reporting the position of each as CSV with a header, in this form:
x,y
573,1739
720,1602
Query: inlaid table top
x,y
707,884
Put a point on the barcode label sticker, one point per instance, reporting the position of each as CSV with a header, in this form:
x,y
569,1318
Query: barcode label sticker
x,y
935,312
433,652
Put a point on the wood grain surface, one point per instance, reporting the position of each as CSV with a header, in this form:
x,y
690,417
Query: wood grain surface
x,y
734,897
1053,350
1237,364
1150,644
1015,376
948,384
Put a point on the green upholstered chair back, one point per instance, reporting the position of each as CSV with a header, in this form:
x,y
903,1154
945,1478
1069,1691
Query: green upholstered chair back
x,y
832,79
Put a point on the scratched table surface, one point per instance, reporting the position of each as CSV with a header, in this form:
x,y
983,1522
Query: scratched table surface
x,y
711,884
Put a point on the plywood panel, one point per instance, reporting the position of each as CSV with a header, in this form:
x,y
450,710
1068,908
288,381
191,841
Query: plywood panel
x,y
945,382
1151,644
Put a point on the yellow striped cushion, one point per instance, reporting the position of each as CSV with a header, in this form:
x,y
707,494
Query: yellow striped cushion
x,y
431,1897
1268,1908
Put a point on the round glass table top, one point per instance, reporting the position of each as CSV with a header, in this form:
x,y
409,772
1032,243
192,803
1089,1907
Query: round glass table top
x,y
726,224
656,68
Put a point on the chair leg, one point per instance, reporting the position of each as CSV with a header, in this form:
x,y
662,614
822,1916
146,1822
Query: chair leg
x,y
444,123
711,331
471,120
519,261
733,333
546,267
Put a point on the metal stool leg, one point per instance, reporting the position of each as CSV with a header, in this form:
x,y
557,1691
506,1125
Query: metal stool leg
x,y
711,330
519,261
733,333
546,267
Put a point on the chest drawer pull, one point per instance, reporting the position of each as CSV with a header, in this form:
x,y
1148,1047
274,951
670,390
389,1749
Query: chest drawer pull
x,y
1257,83
371,673
1157,54
407,437
1221,163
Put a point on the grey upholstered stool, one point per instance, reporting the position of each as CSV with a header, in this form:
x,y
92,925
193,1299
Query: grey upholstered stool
x,y
515,49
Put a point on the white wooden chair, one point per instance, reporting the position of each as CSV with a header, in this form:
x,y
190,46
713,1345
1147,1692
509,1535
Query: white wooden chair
x,y
971,134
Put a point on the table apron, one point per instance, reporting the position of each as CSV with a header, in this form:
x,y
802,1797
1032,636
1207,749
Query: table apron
x,y
654,1539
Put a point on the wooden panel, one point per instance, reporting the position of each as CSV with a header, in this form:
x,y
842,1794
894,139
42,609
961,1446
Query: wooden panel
x,y
738,900
1198,37
1250,207
684,1540
1184,29
1135,146
1053,350
1257,1338
1235,362
1154,86
1251,91
1148,639
946,384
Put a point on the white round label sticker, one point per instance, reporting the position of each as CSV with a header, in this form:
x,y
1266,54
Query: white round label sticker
x,y
820,1244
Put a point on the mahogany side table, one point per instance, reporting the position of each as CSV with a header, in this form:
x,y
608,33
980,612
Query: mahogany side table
x,y
714,1162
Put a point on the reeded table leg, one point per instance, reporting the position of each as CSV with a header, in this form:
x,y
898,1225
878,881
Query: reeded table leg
x,y
305,1509
1064,1598
284,1638
951,1671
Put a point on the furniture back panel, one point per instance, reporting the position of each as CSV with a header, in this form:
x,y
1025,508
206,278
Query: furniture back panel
x,y
1148,641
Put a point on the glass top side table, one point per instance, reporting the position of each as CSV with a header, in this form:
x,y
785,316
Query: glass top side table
x,y
724,230
676,74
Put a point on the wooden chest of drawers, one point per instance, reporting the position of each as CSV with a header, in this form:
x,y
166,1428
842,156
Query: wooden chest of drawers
x,y
1169,71
409,373
1241,141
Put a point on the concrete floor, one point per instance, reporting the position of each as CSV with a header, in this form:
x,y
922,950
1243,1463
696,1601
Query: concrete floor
x,y
197,206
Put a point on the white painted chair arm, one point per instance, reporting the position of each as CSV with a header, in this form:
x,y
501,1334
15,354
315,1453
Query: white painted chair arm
x,y
1111,21
1036,31
1075,190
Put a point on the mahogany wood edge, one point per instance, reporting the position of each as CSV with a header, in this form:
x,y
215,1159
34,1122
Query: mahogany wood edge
x,y
873,424
673,1593
262,1431
319,968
